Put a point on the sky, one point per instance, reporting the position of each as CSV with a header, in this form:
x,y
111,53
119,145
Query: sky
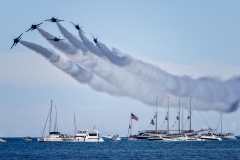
x,y
183,38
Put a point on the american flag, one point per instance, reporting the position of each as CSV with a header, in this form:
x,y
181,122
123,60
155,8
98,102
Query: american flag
x,y
152,122
134,117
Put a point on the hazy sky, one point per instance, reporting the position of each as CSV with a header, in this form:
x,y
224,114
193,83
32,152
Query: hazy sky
x,y
193,38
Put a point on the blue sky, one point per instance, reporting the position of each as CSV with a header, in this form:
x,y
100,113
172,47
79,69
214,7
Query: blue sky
x,y
194,38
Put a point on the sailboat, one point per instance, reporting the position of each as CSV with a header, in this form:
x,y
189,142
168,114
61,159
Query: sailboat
x,y
54,136
227,136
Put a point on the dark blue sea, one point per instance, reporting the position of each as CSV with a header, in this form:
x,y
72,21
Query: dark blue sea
x,y
15,148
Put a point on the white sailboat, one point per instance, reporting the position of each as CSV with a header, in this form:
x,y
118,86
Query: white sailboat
x,y
54,136
227,136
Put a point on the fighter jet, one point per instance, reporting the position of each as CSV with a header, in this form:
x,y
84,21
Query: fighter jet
x,y
53,20
77,26
94,39
55,39
16,40
34,26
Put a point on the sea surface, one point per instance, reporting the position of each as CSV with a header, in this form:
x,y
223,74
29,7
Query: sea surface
x,y
15,148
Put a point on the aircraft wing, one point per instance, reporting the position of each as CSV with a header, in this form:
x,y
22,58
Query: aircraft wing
x,y
28,29
39,24
82,30
20,36
73,23
51,39
48,20
59,20
12,45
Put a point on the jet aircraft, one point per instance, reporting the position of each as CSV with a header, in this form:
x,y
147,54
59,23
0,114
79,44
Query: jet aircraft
x,y
53,20
34,26
16,40
55,39
94,39
77,26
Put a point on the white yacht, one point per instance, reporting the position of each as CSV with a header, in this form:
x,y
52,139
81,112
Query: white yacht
x,y
186,138
53,137
108,136
85,136
81,135
229,136
27,138
155,137
3,140
170,139
116,137
209,136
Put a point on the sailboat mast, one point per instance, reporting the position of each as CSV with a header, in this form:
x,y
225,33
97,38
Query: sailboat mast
x,y
221,123
75,126
50,118
131,124
182,118
179,118
55,125
190,116
156,113
168,118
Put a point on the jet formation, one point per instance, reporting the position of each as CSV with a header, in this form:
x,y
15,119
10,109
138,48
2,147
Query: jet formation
x,y
34,26
16,40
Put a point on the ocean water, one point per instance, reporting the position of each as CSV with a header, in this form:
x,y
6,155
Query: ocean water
x,y
15,148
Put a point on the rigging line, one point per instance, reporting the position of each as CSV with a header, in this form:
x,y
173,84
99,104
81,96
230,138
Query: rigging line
x,y
185,123
200,113
163,123
184,105
196,118
173,106
198,123
46,122
218,122
163,107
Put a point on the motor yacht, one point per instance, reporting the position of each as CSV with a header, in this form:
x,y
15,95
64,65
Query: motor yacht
x,y
209,136
229,136
108,136
143,135
3,140
27,138
186,138
85,136
116,137
155,138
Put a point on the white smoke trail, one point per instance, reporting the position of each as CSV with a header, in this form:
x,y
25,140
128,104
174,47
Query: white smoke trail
x,y
214,93
72,39
90,45
61,45
116,58
210,93
124,81
77,72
